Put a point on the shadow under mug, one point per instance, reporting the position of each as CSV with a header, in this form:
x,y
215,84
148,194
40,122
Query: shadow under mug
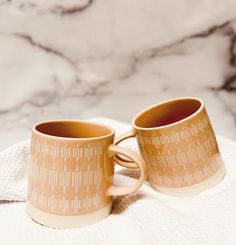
x,y
71,173
178,143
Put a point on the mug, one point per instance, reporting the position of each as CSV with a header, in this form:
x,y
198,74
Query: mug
x,y
71,173
178,143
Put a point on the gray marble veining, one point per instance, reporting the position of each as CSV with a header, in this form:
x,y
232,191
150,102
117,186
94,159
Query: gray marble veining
x,y
82,59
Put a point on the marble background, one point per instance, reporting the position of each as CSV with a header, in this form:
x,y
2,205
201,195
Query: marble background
x,y
108,58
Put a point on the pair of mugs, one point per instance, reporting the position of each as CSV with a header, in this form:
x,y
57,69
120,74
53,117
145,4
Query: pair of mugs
x,y
72,167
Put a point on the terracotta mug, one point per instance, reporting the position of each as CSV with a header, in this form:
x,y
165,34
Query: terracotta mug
x,y
178,143
71,173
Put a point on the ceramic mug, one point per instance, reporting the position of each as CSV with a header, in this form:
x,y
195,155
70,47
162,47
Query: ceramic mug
x,y
178,143
71,173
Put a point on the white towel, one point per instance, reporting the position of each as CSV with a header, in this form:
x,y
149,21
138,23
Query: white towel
x,y
146,217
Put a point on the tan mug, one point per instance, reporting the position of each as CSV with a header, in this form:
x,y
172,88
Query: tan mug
x,y
70,181
178,143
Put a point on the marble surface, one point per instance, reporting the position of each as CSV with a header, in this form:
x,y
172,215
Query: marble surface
x,y
100,58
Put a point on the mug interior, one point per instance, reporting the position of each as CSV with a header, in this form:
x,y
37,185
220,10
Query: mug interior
x,y
167,113
73,129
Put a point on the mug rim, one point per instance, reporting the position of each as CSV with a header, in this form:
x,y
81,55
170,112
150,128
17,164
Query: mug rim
x,y
171,124
37,132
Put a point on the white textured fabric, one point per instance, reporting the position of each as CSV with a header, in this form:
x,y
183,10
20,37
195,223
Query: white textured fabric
x,y
13,168
146,217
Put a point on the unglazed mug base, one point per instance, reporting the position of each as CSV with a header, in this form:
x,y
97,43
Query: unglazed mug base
x,y
67,221
193,189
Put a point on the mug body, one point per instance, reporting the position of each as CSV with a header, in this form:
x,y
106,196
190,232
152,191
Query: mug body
x,y
69,173
178,143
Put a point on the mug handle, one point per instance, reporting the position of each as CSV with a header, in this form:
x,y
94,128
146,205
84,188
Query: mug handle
x,y
118,159
124,190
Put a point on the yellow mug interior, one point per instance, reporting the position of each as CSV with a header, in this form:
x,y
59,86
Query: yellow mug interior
x,y
168,112
73,129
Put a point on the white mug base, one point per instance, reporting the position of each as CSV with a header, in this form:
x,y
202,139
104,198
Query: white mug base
x,y
194,189
67,221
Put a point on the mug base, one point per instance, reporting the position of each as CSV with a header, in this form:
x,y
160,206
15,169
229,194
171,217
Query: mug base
x,y
194,189
67,221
